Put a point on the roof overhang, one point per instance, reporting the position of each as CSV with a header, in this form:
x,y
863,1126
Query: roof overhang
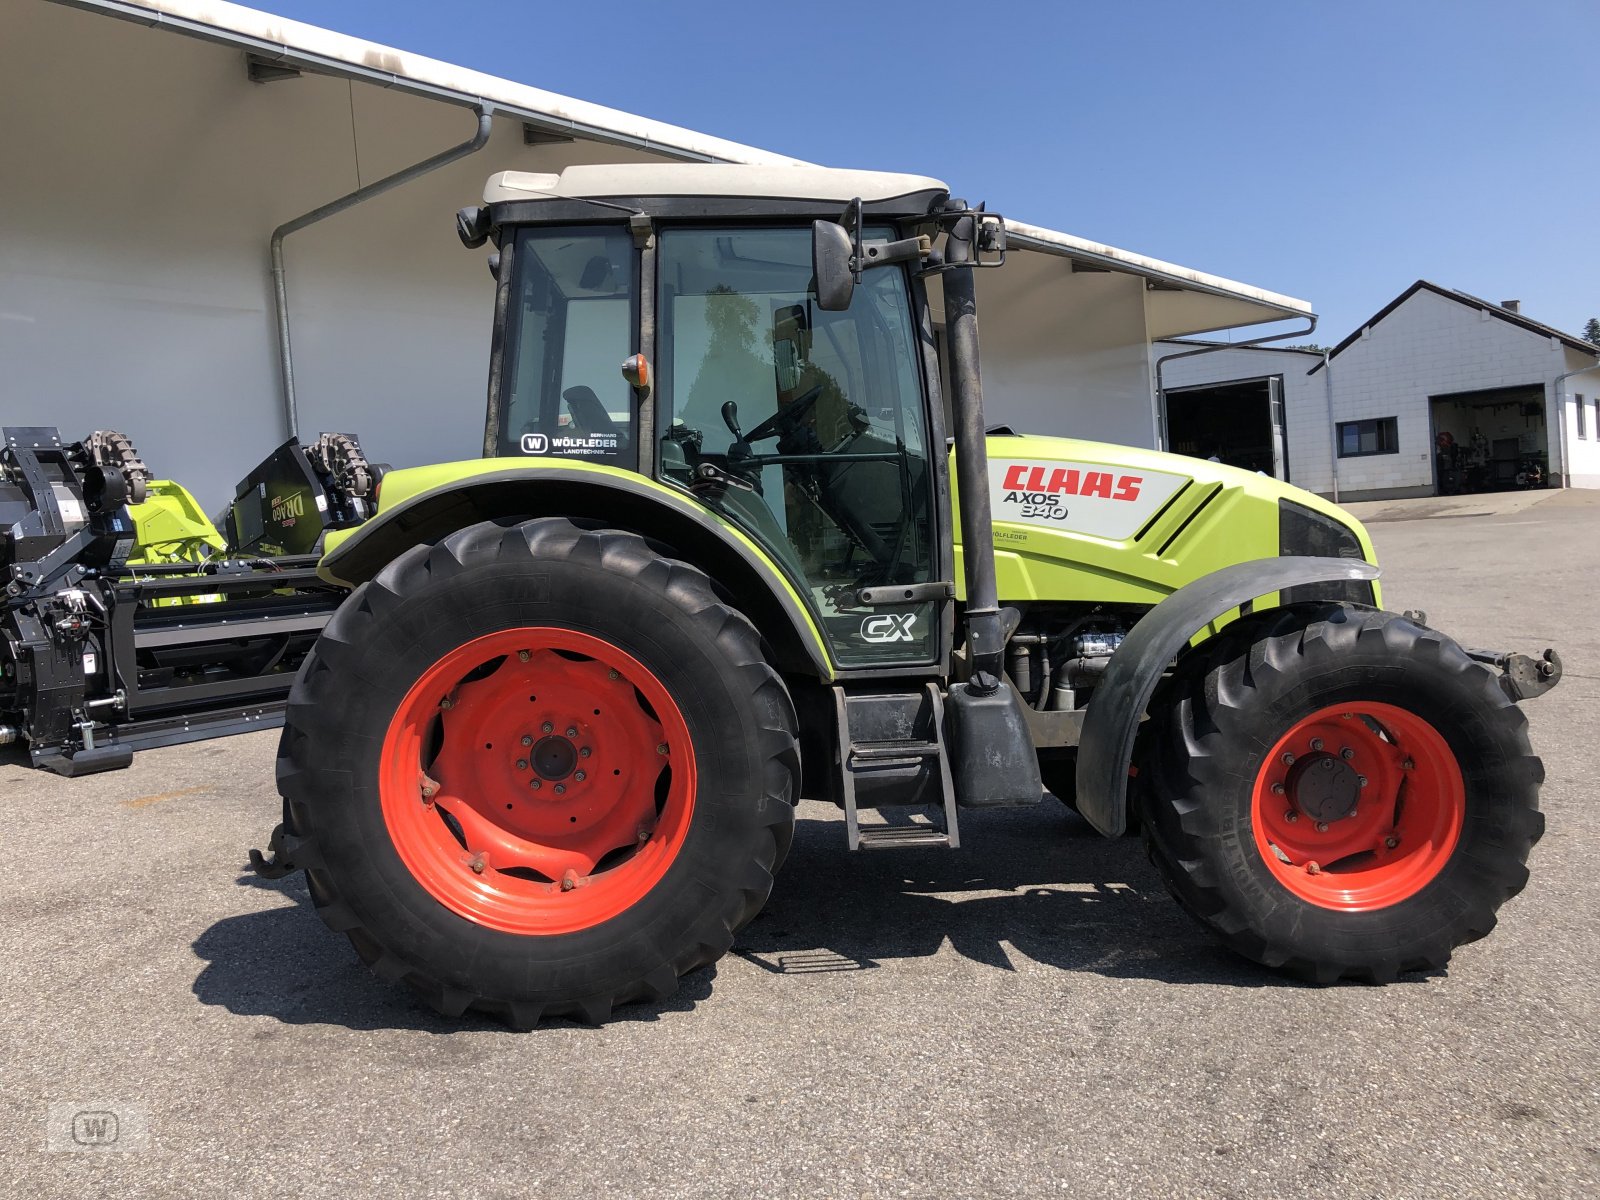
x,y
298,46
1180,300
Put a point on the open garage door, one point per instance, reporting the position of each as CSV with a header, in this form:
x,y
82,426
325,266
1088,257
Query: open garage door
x,y
1239,422
1490,441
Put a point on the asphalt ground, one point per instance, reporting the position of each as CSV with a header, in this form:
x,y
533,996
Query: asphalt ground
x,y
1029,1016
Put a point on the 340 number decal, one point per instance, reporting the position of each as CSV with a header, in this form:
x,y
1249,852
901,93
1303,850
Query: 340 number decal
x,y
1043,507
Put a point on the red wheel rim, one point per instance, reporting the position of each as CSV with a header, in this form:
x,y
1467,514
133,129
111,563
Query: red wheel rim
x,y
1358,807
537,781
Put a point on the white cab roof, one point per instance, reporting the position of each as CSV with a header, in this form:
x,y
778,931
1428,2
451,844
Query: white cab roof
x,y
708,179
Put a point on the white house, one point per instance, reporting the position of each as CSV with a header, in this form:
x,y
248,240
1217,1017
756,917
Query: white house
x,y
152,147
1508,391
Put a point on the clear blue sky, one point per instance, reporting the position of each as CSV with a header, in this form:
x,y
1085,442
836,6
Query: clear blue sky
x,y
1334,151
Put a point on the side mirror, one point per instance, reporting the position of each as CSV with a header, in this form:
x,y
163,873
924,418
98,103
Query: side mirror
x,y
472,227
831,252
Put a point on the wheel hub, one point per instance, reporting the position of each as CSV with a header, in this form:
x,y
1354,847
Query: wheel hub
x,y
554,757
1324,787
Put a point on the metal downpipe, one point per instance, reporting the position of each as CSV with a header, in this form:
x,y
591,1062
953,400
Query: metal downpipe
x,y
1333,428
280,292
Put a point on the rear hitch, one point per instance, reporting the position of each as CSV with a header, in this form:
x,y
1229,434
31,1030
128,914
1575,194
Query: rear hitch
x,y
278,865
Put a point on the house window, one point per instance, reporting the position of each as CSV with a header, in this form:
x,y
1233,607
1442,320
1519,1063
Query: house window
x,y
1378,436
1583,430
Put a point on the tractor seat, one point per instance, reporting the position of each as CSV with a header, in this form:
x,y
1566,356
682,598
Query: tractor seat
x,y
587,411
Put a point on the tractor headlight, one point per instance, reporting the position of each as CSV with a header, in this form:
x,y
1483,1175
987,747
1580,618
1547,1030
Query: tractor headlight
x,y
1304,532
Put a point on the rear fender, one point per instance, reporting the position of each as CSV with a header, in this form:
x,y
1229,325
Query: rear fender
x,y
686,529
1111,720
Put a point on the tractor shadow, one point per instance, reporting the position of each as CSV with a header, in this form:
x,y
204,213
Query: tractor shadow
x,y
283,962
1034,882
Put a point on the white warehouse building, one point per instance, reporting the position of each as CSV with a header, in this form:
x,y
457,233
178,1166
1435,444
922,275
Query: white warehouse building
x,y
1255,407
138,208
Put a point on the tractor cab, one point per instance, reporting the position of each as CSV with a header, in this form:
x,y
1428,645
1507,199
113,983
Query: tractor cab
x,y
666,320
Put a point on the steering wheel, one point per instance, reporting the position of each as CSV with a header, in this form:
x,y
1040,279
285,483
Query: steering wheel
x,y
787,417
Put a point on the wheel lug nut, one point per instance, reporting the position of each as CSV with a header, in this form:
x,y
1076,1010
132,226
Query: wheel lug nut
x,y
527,739
572,731
579,777
585,752
523,656
1322,827
536,784
1391,842
1361,781
569,880
447,703
1347,754
546,727
561,789
662,748
522,764
1277,789
477,864
1291,816
1288,759
1313,868
1316,743
612,674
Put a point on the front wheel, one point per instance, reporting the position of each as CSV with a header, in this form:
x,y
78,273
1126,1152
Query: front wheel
x,y
1340,792
538,770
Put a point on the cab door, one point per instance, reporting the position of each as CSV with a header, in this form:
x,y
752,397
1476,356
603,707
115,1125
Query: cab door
x,y
808,429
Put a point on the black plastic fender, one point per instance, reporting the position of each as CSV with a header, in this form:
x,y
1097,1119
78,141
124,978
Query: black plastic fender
x,y
1111,721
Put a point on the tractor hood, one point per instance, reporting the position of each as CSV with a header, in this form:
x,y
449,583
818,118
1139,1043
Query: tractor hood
x,y
1087,521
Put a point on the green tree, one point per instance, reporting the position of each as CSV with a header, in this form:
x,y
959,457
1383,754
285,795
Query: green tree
x,y
1591,331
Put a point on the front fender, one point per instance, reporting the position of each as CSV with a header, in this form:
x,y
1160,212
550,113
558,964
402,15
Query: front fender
x,y
1111,721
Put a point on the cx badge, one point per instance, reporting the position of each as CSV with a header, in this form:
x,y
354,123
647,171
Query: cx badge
x,y
888,627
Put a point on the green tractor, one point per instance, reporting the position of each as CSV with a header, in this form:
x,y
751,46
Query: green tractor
x,y
545,758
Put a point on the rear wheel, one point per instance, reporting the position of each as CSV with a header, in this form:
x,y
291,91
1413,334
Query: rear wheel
x,y
538,770
1340,792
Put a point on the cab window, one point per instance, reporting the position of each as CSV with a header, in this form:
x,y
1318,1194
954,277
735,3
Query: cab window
x,y
569,326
